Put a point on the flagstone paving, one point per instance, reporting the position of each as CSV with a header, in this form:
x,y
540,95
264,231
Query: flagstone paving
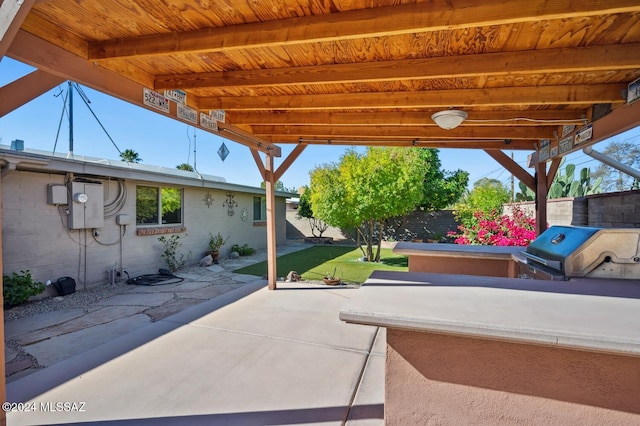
x,y
38,341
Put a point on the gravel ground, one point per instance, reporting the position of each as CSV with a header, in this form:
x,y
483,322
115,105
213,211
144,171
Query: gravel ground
x,y
79,299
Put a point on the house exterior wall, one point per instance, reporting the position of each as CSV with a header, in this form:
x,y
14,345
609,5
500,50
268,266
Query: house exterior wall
x,y
35,234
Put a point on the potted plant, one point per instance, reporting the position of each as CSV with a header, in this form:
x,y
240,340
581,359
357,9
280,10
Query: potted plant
x,y
215,242
331,279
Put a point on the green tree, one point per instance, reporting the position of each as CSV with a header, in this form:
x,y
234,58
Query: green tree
x,y
279,186
442,188
362,191
305,210
612,179
487,196
130,156
185,166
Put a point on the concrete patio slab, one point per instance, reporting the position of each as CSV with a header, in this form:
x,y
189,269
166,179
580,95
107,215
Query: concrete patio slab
x,y
368,410
297,364
278,316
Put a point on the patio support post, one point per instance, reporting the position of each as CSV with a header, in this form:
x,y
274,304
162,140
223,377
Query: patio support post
x,y
270,181
3,387
541,197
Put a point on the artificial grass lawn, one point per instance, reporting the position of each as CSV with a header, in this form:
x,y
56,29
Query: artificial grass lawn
x,y
315,262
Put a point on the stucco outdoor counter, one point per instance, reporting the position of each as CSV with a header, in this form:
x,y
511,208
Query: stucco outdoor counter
x,y
586,314
493,261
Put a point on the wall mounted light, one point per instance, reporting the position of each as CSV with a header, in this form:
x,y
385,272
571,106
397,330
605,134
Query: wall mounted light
x,y
449,119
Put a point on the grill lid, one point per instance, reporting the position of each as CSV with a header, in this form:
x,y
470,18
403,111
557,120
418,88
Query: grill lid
x,y
583,251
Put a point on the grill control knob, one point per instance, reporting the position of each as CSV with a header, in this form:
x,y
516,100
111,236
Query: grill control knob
x,y
558,238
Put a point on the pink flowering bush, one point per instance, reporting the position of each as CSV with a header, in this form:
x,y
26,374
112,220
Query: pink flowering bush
x,y
495,230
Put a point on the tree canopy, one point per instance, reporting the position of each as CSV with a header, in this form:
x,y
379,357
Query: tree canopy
x,y
130,156
441,188
487,196
612,179
185,166
363,190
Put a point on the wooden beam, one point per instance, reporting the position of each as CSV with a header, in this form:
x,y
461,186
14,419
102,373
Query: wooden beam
x,y
270,182
289,161
498,97
541,198
613,57
553,169
513,167
517,145
56,61
622,118
407,132
258,160
12,15
403,118
26,88
371,22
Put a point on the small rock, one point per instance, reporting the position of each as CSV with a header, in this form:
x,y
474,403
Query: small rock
x,y
234,255
58,298
206,261
293,276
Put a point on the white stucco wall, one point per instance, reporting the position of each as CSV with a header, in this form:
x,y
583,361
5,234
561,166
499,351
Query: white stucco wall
x,y
35,234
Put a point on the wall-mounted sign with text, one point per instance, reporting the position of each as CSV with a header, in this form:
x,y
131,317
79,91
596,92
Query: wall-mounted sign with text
x,y
177,96
155,100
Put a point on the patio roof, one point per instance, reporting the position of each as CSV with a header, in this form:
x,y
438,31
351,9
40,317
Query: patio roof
x,y
345,72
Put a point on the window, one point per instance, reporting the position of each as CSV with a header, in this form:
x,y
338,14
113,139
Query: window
x,y
259,208
153,203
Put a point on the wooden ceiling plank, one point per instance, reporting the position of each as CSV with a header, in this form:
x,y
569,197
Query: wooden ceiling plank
x,y
316,118
581,59
505,161
25,89
12,15
371,22
498,97
39,53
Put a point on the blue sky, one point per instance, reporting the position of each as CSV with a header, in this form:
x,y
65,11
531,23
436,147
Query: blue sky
x,y
160,140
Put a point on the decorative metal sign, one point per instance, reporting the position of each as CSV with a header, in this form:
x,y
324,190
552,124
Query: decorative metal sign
x,y
208,199
230,203
223,151
188,114
584,134
178,96
155,100
207,122
218,114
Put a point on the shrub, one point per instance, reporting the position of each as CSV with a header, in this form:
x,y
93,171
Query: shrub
x,y
170,252
18,288
243,250
495,230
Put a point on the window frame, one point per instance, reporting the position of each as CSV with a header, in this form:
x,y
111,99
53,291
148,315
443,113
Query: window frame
x,y
159,203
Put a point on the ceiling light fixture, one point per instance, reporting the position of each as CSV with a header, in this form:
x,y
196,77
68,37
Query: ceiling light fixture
x,y
449,119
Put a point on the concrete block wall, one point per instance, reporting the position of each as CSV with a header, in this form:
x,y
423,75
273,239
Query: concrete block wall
x,y
612,210
35,234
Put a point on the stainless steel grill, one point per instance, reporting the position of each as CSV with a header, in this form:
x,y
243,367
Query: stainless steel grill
x,y
562,252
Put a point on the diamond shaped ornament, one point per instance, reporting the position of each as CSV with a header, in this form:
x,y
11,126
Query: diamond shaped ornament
x,y
223,151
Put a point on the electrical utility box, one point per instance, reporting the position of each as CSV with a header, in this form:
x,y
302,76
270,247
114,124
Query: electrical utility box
x,y
86,207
